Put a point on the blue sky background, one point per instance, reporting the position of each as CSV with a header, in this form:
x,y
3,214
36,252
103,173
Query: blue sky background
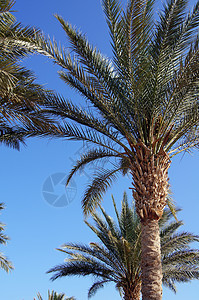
x,y
35,227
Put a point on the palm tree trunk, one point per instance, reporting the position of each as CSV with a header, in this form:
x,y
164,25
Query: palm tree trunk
x,y
133,294
151,261
150,181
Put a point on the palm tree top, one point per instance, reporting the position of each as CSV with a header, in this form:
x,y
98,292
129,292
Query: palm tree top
x,y
142,103
148,92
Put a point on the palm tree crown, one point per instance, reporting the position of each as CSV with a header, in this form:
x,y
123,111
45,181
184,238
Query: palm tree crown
x,y
117,258
145,99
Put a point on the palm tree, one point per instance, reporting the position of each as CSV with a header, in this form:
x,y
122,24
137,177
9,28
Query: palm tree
x,y
20,96
5,264
142,108
54,296
118,257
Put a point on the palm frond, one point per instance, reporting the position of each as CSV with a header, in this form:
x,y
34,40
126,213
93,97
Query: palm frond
x,y
93,195
96,286
178,242
5,264
57,105
55,296
89,157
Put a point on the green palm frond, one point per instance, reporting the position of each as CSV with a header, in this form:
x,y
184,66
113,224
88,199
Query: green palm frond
x,y
183,268
180,241
91,255
90,157
108,224
68,110
130,33
128,221
170,229
113,12
73,132
101,182
92,76
80,268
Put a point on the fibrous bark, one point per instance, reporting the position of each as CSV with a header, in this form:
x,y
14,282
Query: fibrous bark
x,y
151,261
133,292
150,180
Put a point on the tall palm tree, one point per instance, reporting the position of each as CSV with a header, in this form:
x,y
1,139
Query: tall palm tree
x,y
142,107
117,257
5,264
54,296
20,96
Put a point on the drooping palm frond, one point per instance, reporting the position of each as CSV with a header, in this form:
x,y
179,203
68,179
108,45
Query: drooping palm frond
x,y
180,267
10,136
90,157
94,192
96,286
117,257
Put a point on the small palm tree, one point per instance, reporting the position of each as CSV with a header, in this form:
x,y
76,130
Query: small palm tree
x,y
54,296
142,110
5,264
20,96
118,257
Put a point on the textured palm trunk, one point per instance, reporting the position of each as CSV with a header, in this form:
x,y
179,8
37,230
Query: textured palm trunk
x,y
150,181
151,261
133,293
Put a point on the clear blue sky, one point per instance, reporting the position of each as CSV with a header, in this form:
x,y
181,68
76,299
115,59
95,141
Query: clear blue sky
x,y
35,227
